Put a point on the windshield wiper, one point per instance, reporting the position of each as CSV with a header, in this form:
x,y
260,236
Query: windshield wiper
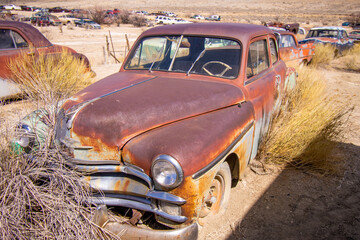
x,y
158,57
197,59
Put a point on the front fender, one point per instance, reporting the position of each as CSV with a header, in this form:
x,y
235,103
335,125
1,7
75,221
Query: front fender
x,y
198,144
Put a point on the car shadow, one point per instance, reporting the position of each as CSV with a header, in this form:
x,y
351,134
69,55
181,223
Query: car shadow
x,y
298,205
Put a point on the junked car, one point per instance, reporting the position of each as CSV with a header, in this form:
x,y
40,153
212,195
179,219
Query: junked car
x,y
291,52
17,38
170,133
355,36
336,36
87,23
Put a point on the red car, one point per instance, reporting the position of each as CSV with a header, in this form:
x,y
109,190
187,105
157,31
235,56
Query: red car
x,y
17,38
168,136
291,52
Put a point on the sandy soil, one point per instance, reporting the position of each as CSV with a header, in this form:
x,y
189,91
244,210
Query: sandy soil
x,y
285,204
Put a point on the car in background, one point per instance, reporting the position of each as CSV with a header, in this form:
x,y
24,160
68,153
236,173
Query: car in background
x,y
302,31
17,38
164,20
355,35
213,18
181,21
87,23
291,52
59,10
336,36
68,19
219,86
41,21
291,27
54,20
198,17
12,7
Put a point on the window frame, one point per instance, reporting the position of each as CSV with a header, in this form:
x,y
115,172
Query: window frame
x,y
254,77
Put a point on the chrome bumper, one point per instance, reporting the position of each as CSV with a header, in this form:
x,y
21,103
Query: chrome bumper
x,y
128,186
129,232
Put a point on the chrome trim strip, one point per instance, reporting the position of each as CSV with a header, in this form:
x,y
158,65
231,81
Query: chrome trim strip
x,y
93,162
115,168
130,232
109,201
166,197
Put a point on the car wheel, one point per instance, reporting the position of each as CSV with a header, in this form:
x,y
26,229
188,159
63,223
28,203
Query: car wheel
x,y
217,198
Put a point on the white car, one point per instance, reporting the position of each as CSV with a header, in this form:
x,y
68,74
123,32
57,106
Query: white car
x,y
198,17
181,21
12,7
164,20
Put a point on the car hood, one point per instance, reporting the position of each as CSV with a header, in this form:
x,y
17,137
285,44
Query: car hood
x,y
124,105
322,40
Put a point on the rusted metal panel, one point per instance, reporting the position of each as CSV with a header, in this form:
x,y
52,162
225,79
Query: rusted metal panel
x,y
194,142
200,121
28,32
114,119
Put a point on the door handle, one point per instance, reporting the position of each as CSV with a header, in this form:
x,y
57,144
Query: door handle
x,y
278,80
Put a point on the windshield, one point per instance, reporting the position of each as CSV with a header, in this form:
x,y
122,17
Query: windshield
x,y
190,55
323,33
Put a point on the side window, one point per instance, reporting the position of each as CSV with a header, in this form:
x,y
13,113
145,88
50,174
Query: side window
x,y
344,34
273,52
6,41
258,59
292,41
19,40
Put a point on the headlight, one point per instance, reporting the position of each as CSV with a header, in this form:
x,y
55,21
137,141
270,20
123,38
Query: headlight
x,y
166,172
25,136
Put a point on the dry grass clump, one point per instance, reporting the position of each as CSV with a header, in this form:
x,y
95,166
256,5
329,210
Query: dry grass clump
x,y
351,59
305,133
50,78
41,198
47,79
324,54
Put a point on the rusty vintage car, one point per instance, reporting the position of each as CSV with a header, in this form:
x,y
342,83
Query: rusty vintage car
x,y
336,36
17,38
174,130
291,52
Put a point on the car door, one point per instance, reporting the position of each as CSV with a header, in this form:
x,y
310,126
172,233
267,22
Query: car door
x,y
263,78
12,44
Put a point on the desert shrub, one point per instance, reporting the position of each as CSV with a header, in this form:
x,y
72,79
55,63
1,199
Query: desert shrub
x,y
124,17
306,130
42,198
351,59
48,79
138,20
324,54
98,15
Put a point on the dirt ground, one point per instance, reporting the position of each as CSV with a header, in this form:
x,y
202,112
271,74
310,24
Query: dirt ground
x,y
284,204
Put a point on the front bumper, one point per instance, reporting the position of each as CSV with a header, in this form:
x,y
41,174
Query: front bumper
x,y
127,231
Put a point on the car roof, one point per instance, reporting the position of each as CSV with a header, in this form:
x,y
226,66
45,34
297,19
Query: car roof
x,y
243,32
33,35
328,28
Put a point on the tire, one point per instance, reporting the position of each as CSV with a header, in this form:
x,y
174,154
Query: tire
x,y
217,198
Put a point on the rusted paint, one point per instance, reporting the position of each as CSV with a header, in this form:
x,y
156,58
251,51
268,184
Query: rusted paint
x,y
37,44
113,125
198,120
225,125
294,53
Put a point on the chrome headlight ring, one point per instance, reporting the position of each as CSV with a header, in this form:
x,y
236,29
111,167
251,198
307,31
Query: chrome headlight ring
x,y
166,172
25,136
